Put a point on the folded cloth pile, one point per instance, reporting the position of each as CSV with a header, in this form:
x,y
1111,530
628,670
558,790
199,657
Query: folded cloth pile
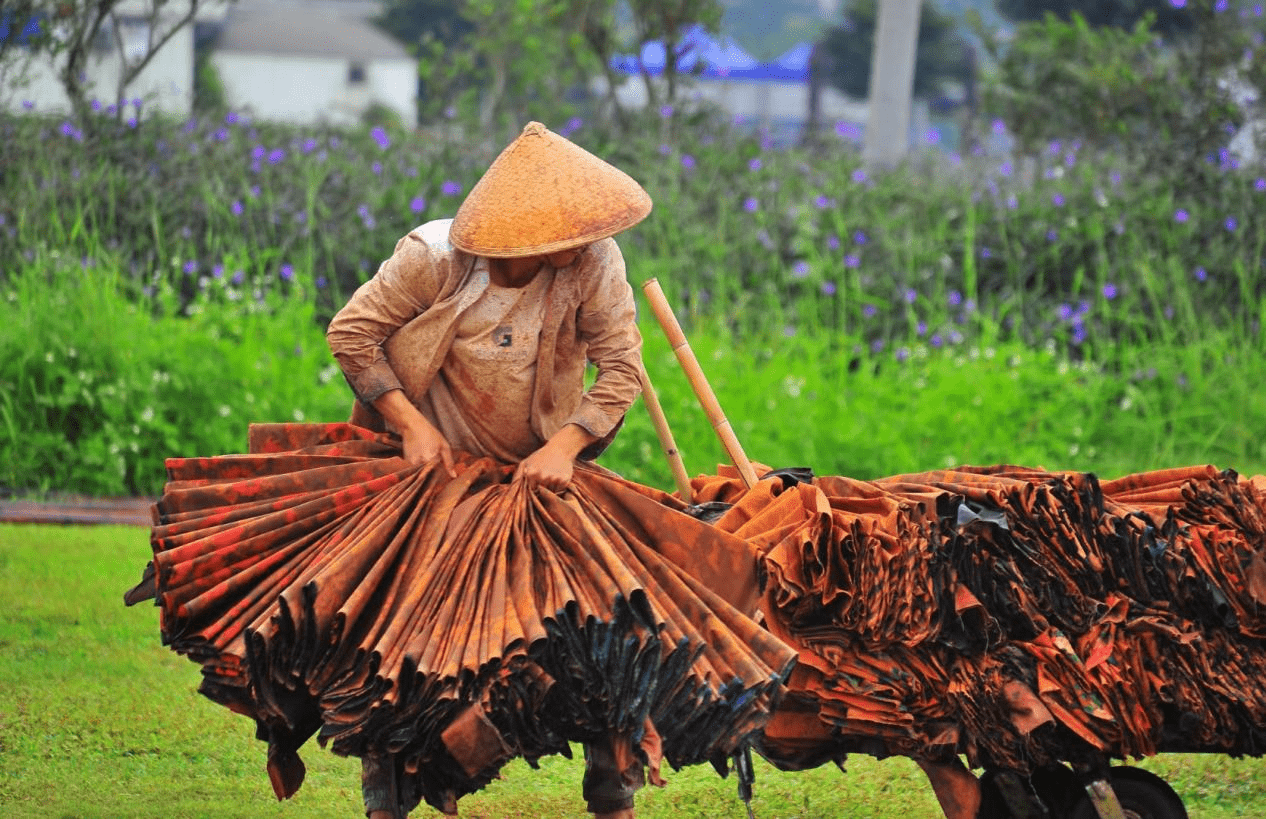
x,y
1017,616
326,587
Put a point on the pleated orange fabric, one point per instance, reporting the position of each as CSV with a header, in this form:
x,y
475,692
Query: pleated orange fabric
x,y
328,588
1017,616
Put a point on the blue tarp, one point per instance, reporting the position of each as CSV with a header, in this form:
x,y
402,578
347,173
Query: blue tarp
x,y
716,57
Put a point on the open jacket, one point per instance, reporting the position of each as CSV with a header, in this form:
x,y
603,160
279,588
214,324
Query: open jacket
x,y
396,330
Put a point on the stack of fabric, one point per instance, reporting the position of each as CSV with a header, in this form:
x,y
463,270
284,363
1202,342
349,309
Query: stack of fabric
x,y
1017,616
328,588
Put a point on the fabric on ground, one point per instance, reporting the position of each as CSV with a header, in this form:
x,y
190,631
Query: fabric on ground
x,y
327,588
1016,616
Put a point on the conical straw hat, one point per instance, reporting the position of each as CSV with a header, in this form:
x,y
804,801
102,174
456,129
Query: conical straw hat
x,y
544,194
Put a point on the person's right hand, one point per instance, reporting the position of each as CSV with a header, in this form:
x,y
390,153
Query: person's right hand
x,y
424,444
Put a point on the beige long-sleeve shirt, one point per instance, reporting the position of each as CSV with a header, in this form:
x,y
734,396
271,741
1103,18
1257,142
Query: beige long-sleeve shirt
x,y
398,329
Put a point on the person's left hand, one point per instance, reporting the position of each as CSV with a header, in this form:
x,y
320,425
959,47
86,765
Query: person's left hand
x,y
550,466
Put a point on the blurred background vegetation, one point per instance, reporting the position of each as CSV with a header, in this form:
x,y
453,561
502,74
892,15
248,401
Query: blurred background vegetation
x,y
1076,281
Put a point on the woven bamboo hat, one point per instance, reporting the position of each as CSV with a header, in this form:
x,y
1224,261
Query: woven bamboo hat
x,y
544,194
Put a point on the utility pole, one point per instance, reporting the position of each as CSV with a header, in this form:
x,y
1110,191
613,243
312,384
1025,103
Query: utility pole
x,y
891,82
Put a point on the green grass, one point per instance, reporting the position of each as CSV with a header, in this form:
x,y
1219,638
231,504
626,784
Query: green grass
x,y
98,720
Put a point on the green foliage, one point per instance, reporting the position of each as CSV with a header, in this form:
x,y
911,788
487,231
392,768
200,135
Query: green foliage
x,y
848,47
1152,103
208,251
1165,16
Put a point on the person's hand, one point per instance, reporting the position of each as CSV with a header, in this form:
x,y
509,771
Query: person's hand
x,y
549,466
424,444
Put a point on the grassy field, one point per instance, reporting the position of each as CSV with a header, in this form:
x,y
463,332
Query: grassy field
x,y
98,720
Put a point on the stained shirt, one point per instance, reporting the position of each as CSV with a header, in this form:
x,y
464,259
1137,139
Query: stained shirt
x,y
399,328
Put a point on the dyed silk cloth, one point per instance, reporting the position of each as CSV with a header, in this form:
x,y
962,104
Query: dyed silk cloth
x,y
328,588
1017,616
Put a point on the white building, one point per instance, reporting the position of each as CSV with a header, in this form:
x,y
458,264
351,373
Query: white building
x,y
164,84
307,63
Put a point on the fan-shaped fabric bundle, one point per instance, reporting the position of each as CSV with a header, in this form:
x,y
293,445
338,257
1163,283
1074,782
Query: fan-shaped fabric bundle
x,y
1020,617
328,588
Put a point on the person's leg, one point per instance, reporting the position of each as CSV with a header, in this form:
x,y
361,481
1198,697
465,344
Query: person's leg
x,y
613,774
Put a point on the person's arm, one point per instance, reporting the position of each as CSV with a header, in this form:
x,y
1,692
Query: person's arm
x,y
553,464
421,441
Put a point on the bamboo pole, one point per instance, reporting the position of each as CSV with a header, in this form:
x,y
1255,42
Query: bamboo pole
x,y
665,435
694,374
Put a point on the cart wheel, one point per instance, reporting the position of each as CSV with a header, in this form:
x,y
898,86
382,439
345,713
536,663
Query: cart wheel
x,y
1142,794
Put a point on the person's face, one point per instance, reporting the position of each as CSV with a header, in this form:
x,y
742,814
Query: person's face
x,y
563,258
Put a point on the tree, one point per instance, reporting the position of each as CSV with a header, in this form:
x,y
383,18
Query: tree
x,y
73,32
847,49
666,21
1159,104
1166,17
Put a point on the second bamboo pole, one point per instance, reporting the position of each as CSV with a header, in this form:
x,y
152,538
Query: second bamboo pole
x,y
694,374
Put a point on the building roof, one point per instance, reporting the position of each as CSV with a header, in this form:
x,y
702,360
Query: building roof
x,y
306,31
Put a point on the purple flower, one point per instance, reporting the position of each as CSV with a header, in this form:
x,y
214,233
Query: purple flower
x,y
450,188
877,346
932,137
1058,199
751,205
376,168
859,237
955,298
1109,291
986,253
800,270
1065,312
221,134
1178,4
217,272
688,162
1006,169
1260,184
822,202
828,288
1201,274
666,111
366,217
28,105
309,145
859,176
275,156
1231,223
999,127
230,118
911,295
238,277
1221,5
254,191
869,310
418,204
921,328
287,272
321,282
833,242
756,164
936,340
236,207
379,135
903,353
572,126
1181,215
1052,235
258,152
1013,202
1079,331
852,260
69,130
665,149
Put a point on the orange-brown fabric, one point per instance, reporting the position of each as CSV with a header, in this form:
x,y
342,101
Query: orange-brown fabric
x,y
326,587
1015,616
